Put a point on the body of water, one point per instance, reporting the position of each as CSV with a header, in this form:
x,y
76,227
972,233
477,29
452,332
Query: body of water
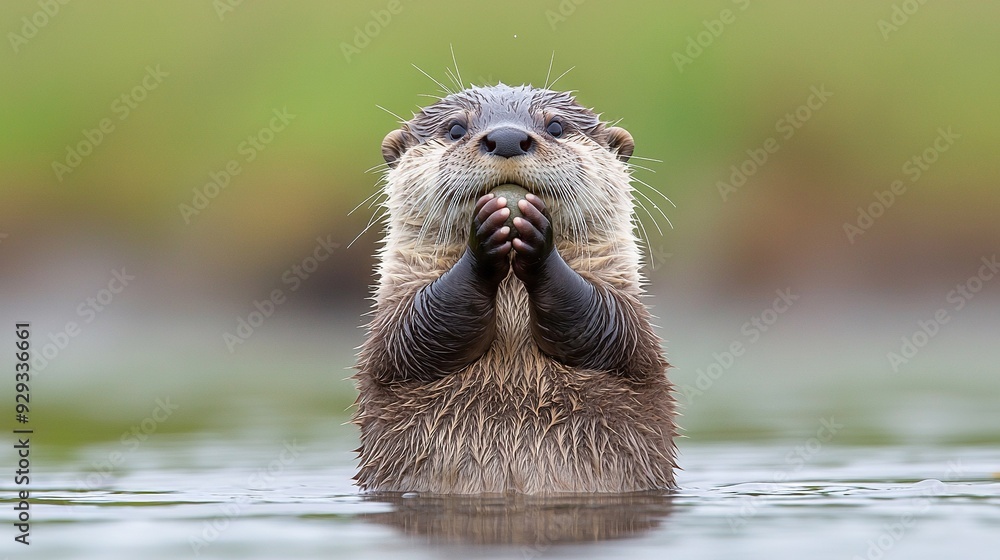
x,y
792,449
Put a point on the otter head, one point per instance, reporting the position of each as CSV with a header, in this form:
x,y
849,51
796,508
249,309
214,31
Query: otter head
x,y
465,144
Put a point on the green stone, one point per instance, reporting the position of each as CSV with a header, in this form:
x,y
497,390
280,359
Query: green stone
x,y
513,193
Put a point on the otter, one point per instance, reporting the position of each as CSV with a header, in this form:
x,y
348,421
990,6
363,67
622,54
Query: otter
x,y
511,364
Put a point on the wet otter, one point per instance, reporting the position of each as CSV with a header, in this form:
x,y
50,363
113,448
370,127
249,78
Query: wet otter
x,y
496,364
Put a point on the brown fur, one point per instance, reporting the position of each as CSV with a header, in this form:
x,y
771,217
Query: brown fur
x,y
515,420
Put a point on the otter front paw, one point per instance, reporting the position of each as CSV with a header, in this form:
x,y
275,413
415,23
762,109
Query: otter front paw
x,y
533,244
489,243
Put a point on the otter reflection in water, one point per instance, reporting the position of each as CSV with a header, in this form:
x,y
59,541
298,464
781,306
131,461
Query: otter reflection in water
x,y
533,523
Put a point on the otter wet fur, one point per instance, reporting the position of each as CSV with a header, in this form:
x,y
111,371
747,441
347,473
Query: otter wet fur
x,y
501,364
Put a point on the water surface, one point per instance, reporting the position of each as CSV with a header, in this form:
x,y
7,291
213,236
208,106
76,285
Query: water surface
x,y
294,499
799,450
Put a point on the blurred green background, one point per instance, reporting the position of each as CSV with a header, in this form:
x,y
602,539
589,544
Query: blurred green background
x,y
701,86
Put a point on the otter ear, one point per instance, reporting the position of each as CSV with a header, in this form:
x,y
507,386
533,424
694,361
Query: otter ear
x,y
394,144
620,141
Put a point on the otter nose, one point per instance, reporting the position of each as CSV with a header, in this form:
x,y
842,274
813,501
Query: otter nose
x,y
507,141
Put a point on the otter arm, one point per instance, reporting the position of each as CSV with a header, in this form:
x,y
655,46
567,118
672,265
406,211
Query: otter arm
x,y
445,326
588,324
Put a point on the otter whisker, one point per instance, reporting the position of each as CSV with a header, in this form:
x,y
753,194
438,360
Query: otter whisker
x,y
443,87
374,219
444,233
582,213
561,215
460,83
444,213
577,221
377,202
454,78
549,73
553,84
399,119
378,211
655,190
633,156
640,204
643,234
633,165
637,222
380,168
643,195
590,213
423,201
370,197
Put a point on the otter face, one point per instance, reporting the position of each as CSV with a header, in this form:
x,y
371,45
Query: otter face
x,y
505,122
464,145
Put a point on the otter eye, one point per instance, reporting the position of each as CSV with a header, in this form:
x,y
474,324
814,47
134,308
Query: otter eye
x,y
457,131
555,129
